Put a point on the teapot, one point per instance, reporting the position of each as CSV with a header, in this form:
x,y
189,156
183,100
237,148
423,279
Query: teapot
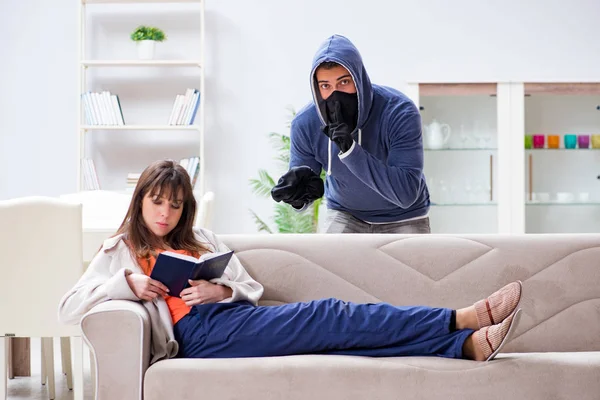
x,y
436,135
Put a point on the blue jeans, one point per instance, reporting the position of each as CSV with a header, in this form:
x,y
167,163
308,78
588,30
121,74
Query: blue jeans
x,y
330,326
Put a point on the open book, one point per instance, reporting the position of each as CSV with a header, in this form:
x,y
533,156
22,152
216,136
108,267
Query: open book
x,y
174,269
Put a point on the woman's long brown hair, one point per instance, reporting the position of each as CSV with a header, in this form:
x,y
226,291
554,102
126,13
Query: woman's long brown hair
x,y
159,177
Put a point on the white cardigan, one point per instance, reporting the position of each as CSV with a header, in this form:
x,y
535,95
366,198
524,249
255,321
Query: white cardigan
x,y
105,280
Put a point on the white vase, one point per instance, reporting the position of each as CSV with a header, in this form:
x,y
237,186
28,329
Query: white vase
x,y
145,49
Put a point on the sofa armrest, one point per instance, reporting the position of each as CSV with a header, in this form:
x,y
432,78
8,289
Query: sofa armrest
x,y
118,333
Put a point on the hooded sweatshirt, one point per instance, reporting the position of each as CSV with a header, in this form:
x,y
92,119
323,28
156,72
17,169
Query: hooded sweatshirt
x,y
380,179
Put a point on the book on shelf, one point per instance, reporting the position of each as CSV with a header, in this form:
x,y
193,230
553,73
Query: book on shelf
x,y
132,180
185,108
190,164
102,108
90,177
192,167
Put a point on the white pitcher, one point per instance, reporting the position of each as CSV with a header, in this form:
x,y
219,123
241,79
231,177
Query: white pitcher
x,y
436,135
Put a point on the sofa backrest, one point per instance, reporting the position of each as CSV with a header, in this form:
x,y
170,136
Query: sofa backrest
x,y
560,275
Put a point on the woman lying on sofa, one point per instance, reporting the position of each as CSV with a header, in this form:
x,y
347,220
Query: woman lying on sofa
x,y
221,318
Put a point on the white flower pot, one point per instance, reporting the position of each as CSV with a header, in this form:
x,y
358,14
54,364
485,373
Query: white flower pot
x,y
145,49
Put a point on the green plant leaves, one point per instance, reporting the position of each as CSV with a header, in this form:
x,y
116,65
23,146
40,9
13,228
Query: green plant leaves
x,y
282,145
148,33
289,220
262,226
263,185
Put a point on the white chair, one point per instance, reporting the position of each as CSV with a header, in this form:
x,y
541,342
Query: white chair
x,y
40,243
103,212
204,218
102,209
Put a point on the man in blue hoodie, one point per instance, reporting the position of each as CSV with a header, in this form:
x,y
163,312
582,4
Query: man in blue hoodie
x,y
368,139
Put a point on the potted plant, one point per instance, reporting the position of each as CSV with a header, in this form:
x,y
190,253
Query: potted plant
x,y
146,37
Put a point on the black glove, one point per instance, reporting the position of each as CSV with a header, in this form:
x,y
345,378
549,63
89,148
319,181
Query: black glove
x,y
338,131
298,187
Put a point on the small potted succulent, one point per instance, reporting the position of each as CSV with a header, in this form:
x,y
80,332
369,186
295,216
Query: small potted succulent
x,y
146,37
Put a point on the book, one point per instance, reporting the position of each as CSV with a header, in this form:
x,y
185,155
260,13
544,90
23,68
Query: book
x,y
193,108
193,117
185,107
116,106
174,269
175,108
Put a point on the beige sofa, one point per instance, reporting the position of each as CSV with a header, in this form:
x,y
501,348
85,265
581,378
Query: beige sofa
x,y
555,353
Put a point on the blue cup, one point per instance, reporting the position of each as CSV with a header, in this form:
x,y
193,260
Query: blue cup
x,y
570,141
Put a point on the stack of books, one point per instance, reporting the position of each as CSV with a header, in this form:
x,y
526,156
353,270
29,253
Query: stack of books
x,y
132,180
90,177
185,108
102,108
192,166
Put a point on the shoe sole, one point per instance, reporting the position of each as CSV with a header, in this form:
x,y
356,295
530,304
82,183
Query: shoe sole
x,y
520,297
509,334
518,306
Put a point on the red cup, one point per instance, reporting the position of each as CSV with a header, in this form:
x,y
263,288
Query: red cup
x,y
539,141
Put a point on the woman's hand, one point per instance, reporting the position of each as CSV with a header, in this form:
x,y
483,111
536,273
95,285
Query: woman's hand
x,y
146,288
204,292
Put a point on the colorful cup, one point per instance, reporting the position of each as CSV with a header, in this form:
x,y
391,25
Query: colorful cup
x,y
553,141
583,141
538,141
528,141
596,141
570,141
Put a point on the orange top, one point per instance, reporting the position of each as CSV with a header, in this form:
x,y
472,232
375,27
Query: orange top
x,y
177,306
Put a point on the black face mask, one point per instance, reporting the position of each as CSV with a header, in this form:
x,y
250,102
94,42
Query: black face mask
x,y
349,108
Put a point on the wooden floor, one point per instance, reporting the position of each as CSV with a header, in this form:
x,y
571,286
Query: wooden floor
x,y
31,387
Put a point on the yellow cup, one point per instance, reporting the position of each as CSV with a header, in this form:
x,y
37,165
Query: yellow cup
x,y
596,141
553,141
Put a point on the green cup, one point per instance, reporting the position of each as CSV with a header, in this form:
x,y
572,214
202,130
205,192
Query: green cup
x,y
528,141
570,141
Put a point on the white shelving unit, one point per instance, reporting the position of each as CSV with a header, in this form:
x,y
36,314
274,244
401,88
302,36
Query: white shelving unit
x,y
141,63
141,127
532,108
137,1
86,65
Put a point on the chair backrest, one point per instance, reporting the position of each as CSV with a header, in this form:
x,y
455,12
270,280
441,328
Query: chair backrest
x,y
40,260
102,209
204,214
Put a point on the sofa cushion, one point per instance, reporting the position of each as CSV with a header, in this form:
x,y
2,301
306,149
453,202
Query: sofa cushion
x,y
511,376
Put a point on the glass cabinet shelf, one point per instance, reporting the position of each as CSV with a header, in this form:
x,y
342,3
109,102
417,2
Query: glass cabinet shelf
x,y
561,149
463,204
465,149
460,147
558,203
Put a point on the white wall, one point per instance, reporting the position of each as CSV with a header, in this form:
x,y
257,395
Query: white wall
x,y
38,148
258,58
